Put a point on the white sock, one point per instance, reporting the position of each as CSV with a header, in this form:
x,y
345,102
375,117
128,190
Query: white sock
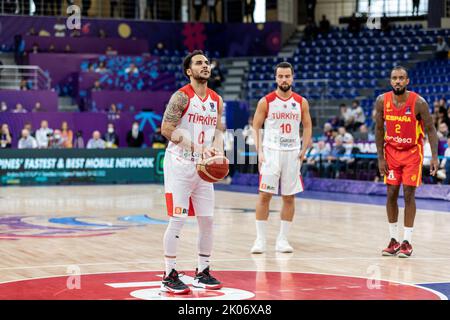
x,y
393,230
408,234
261,229
284,229
171,263
203,263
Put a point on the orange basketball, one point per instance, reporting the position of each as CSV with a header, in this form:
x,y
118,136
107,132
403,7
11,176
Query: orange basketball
x,y
213,169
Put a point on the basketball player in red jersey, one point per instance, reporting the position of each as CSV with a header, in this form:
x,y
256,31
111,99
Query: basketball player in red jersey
x,y
192,124
280,153
401,117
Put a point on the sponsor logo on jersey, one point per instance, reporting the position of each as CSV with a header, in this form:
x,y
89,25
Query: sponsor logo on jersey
x,y
294,105
413,178
399,139
399,118
181,211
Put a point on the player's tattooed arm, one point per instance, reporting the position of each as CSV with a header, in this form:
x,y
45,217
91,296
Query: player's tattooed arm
x,y
379,134
172,116
423,112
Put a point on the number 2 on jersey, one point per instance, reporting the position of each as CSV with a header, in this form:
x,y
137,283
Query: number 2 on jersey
x,y
286,128
397,128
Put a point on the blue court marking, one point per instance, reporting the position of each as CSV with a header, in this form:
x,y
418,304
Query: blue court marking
x,y
142,219
424,204
442,287
72,221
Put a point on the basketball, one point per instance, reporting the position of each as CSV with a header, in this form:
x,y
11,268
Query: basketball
x,y
213,169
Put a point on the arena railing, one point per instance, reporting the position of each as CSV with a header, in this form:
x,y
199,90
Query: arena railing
x,y
33,77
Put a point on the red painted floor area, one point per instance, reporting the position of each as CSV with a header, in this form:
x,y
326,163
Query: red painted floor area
x,y
237,285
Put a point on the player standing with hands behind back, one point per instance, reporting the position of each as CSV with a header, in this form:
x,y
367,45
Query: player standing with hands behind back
x,y
280,154
401,117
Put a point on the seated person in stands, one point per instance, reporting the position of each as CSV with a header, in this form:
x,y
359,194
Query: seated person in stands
x,y
56,141
132,69
43,134
5,137
51,48
37,107
67,49
24,85
354,26
19,109
441,49
158,141
330,166
35,48
344,135
32,32
345,115
101,67
102,34
96,142
357,116
324,25
96,86
311,30
60,28
317,155
67,135
78,143
3,106
111,137
113,112
135,137
27,141
385,27
90,67
442,131
110,51
363,134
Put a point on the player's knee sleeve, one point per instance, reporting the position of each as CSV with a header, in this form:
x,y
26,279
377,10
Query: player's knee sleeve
x,y
205,235
172,235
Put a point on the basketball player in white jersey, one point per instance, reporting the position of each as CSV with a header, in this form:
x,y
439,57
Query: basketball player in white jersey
x,y
192,124
280,154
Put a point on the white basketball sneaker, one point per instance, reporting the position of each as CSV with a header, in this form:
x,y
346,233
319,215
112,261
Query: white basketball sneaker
x,y
259,246
283,246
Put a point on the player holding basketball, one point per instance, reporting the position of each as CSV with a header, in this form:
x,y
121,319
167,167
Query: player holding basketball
x,y
280,154
190,121
401,117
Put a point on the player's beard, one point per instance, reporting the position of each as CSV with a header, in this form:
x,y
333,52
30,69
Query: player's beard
x,y
285,88
202,78
399,92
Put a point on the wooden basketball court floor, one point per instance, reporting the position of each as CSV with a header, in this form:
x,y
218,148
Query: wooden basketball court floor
x,y
116,231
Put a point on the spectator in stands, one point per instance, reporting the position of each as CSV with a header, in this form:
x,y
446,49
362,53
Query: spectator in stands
x,y
19,109
3,106
198,7
67,49
101,67
330,166
135,137
56,141
132,69
29,127
348,158
110,51
5,137
60,28
442,116
96,142
51,48
27,141
310,31
446,162
78,143
23,85
363,134
158,141
37,107
113,112
358,117
90,67
318,154
441,49
212,11
324,26
249,9
385,26
43,134
344,135
311,9
32,32
416,4
102,34
327,134
86,5
345,115
354,26
442,131
216,78
111,137
35,48
66,135
75,33
97,86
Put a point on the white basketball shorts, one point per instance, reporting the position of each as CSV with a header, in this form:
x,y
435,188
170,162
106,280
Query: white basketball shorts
x,y
281,166
186,193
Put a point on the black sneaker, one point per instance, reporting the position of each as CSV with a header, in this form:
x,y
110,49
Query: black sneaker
x,y
205,280
173,284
